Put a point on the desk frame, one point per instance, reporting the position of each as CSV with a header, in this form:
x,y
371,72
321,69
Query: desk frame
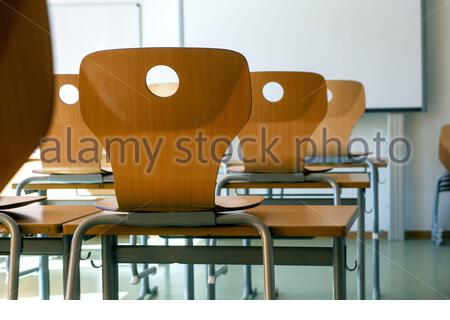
x,y
337,201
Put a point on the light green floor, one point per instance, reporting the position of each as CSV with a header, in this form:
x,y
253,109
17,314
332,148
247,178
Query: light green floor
x,y
412,269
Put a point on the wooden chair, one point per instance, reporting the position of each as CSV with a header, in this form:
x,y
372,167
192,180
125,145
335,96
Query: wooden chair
x,y
74,137
290,120
345,109
443,184
287,123
26,90
213,101
70,153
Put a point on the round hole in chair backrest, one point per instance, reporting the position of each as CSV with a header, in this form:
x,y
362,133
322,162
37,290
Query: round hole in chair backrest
x,y
329,95
273,91
162,81
69,94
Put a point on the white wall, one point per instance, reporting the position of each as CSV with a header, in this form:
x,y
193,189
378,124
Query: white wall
x,y
423,128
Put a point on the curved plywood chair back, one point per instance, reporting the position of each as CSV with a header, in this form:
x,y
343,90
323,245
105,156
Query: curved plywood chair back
x,y
70,147
284,123
444,146
181,138
345,109
26,82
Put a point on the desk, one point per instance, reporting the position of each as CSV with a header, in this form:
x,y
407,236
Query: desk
x,y
48,222
283,222
359,181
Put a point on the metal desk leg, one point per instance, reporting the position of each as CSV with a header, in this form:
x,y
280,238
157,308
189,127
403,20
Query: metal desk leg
x,y
44,276
110,272
189,293
361,244
375,233
249,291
339,271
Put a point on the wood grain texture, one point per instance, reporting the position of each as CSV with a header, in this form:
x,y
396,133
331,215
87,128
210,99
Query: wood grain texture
x,y
444,146
77,153
283,221
292,119
213,98
228,203
26,84
344,180
46,219
346,108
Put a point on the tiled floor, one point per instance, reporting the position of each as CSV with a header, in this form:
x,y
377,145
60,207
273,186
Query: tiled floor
x,y
413,269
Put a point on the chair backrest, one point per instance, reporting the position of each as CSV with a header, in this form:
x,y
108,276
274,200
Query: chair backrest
x,y
345,109
70,147
26,82
289,120
444,146
181,138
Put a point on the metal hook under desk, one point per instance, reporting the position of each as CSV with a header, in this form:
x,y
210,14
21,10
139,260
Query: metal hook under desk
x,y
346,266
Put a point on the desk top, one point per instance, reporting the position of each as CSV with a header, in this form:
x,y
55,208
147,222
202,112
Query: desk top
x,y
46,219
344,180
379,164
283,221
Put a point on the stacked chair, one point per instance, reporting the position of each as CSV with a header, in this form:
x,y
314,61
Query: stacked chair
x,y
291,122
443,184
176,197
70,153
26,82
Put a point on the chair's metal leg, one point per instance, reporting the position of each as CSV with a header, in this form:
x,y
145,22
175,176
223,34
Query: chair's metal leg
x,y
189,290
67,240
267,246
75,251
15,249
44,276
27,181
375,233
249,291
144,276
333,184
134,269
436,230
361,243
110,276
212,274
211,277
339,271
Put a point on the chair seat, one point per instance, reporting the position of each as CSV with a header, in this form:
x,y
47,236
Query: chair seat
x,y
222,203
71,171
15,202
283,221
46,219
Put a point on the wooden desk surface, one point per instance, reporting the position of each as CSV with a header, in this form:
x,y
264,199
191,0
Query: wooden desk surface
x,y
379,164
60,186
344,180
46,219
283,221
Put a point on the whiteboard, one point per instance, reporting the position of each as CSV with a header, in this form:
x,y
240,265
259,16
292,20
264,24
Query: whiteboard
x,y
81,27
376,42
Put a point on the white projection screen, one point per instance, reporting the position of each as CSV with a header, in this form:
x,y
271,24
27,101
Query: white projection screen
x,y
377,42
